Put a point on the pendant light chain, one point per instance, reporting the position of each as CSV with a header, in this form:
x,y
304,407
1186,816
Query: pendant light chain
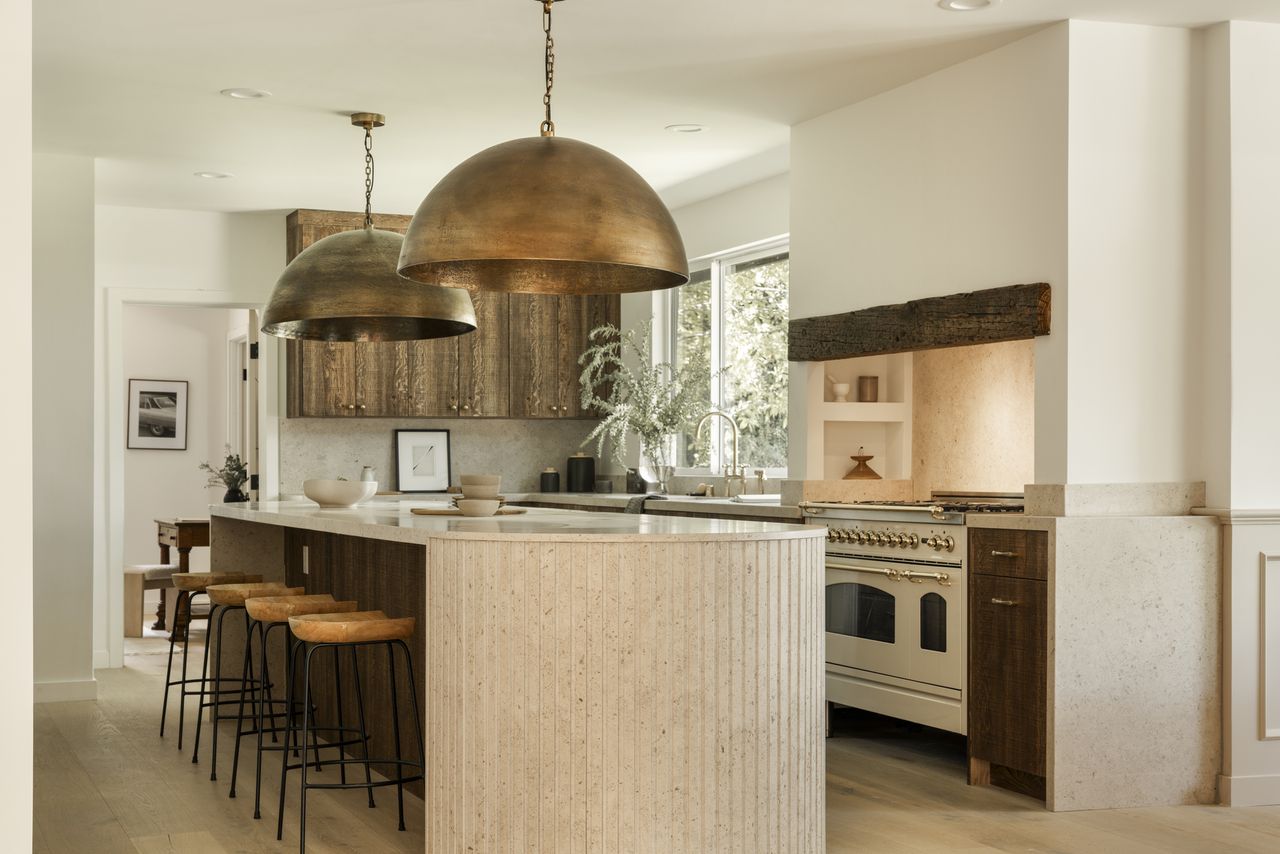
x,y
368,176
548,126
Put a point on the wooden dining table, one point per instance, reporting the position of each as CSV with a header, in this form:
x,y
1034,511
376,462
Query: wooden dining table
x,y
182,534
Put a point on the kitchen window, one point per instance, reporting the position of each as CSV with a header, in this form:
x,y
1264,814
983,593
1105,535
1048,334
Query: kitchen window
x,y
734,311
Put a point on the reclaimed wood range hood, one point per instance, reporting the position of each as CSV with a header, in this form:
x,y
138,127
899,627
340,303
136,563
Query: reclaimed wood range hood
x,y
1010,313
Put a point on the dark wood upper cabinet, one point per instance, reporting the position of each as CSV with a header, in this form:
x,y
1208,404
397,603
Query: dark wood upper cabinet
x,y
534,350
484,369
521,362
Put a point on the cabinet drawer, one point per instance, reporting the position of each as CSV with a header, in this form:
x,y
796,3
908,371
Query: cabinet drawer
x,y
1015,554
168,536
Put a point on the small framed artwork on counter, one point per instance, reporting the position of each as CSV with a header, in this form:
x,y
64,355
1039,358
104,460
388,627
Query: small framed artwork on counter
x,y
422,460
158,415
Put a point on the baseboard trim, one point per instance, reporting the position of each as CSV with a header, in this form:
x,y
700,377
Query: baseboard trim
x,y
1257,791
66,692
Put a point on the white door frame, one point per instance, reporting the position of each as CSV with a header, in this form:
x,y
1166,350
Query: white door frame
x,y
108,563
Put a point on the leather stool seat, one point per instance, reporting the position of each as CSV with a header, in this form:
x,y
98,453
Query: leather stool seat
x,y
278,609
353,627
234,595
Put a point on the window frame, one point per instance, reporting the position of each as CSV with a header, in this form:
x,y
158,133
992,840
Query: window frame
x,y
665,306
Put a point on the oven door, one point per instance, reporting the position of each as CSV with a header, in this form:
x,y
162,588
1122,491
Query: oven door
x,y
896,619
868,618
936,598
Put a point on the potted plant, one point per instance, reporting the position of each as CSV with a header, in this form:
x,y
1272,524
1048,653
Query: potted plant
x,y
634,395
232,475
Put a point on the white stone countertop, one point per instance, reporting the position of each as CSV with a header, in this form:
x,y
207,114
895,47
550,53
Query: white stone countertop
x,y
680,503
392,520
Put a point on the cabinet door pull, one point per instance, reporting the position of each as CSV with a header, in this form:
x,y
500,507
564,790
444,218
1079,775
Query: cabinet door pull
x,y
360,406
466,407
995,553
1006,602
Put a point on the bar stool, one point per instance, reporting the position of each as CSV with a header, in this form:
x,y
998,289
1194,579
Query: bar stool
x,y
267,613
190,585
352,630
225,598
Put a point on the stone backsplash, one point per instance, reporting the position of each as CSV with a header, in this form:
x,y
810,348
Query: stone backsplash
x,y
518,450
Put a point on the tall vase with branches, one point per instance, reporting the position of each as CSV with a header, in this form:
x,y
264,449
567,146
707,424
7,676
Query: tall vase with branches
x,y
636,396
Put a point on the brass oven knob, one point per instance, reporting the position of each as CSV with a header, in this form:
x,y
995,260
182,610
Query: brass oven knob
x,y
899,540
932,542
948,543
913,540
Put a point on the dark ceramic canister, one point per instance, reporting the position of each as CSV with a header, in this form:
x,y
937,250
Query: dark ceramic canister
x,y
581,469
549,481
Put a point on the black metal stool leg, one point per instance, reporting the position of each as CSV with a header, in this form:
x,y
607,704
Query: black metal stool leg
x,y
186,647
235,754
246,674
364,730
306,716
395,729
204,676
337,697
263,635
168,673
417,713
288,734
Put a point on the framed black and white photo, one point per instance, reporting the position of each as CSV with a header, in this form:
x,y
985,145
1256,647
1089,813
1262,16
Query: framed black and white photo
x,y
422,460
158,414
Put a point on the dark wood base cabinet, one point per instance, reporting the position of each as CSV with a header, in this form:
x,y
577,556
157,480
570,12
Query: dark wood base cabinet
x,y
1008,658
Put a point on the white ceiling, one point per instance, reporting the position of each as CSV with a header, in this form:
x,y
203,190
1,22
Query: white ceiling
x,y
135,84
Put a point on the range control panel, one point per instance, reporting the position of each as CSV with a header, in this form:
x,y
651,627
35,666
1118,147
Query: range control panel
x,y
893,539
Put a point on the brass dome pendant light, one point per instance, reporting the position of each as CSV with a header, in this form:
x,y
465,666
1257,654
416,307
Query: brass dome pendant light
x,y
546,215
345,287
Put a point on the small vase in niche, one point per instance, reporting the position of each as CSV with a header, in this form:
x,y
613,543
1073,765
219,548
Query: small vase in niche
x,y
861,471
234,495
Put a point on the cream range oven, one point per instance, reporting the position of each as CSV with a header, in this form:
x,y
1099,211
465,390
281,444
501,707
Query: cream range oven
x,y
896,590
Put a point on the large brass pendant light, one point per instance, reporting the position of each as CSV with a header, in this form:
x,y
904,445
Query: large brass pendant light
x,y
345,287
545,215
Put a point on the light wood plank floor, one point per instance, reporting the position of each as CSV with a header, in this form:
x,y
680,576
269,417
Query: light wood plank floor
x,y
106,783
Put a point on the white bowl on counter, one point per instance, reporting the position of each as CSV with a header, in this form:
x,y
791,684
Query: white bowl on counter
x,y
338,493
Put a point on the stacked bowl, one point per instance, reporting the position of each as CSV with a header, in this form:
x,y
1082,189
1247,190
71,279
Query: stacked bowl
x,y
479,494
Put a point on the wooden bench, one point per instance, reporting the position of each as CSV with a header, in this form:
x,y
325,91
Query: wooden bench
x,y
138,580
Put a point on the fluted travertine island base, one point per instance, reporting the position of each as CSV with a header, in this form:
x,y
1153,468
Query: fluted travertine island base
x,y
609,683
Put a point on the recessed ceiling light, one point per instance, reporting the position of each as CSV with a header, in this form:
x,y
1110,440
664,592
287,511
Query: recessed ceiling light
x,y
213,175
965,5
245,94
686,128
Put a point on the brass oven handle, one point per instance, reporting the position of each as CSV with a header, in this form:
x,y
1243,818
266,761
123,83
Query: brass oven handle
x,y
1007,602
918,577
995,553
894,574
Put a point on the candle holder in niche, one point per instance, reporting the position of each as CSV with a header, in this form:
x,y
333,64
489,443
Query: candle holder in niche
x,y
868,389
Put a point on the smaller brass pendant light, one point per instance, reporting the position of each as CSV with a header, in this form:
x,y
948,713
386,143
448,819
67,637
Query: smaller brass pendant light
x,y
547,215
345,287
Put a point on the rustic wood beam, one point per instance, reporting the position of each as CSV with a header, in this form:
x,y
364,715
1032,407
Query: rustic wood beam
x,y
1010,313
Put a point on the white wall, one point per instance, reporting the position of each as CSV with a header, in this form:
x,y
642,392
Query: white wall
x,y
163,257
1133,312
175,343
956,181
15,354
63,416
1255,264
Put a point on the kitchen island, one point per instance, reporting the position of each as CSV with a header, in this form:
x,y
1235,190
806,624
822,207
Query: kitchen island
x,y
590,681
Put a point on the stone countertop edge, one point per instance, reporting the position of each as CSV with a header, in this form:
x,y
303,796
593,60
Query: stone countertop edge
x,y
1013,521
393,521
680,503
